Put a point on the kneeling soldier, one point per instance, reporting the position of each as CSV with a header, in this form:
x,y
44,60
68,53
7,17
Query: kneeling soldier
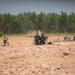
x,y
42,39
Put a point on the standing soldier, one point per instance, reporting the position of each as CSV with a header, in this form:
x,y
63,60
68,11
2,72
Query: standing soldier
x,y
5,41
37,39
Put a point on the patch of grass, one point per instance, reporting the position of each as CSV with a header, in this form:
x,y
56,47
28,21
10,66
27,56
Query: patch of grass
x,y
29,34
1,34
33,34
13,35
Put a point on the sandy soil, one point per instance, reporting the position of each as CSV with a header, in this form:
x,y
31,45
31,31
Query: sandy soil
x,y
22,57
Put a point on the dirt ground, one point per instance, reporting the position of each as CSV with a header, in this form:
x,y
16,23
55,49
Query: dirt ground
x,y
22,57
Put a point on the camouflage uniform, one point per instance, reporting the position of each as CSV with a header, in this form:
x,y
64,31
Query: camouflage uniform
x,y
37,39
5,41
42,39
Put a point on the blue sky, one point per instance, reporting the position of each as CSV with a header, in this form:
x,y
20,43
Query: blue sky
x,y
47,6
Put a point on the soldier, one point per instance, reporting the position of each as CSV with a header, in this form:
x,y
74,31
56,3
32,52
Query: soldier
x,y
42,39
5,41
37,39
65,38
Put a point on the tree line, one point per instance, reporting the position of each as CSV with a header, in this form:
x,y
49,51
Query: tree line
x,y
27,21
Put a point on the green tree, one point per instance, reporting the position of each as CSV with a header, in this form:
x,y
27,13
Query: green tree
x,y
6,23
52,22
41,22
63,22
71,23
0,22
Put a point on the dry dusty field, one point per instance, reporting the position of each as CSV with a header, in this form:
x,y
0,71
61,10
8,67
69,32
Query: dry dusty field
x,y
22,57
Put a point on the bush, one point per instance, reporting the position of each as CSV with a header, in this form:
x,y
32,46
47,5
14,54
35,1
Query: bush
x,y
1,34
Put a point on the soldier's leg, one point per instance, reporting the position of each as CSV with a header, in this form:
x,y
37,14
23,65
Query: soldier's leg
x,y
4,43
36,42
